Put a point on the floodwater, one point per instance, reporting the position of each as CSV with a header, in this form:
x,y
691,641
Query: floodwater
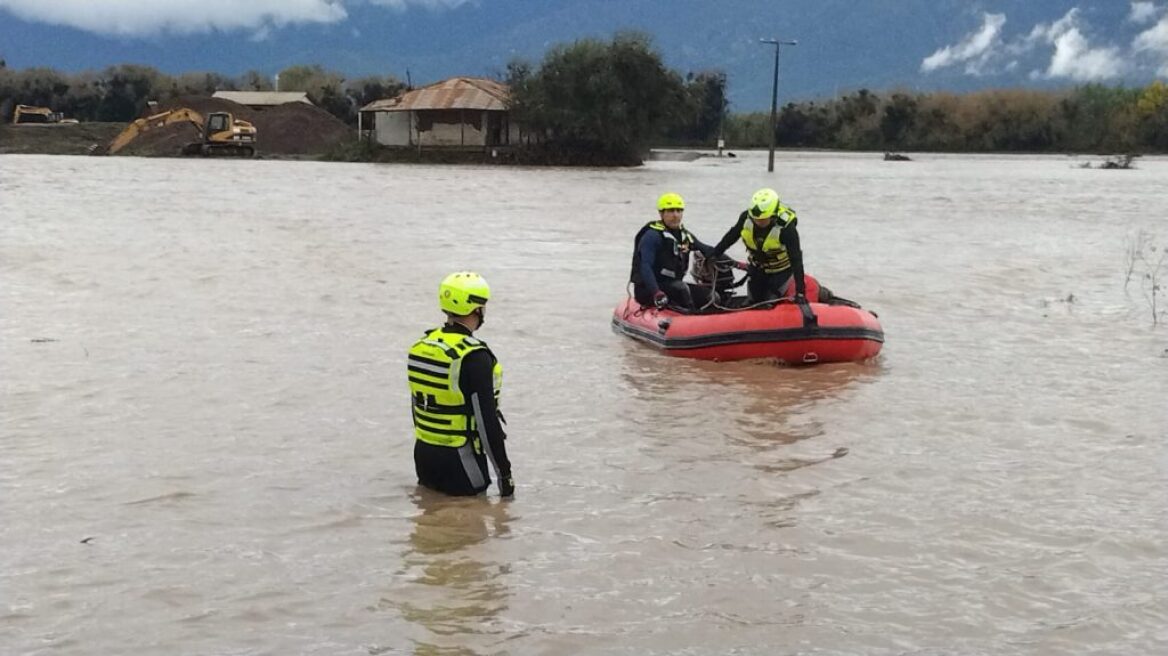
x,y
206,445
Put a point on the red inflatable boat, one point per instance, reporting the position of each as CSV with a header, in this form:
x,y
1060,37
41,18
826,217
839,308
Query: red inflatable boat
x,y
791,332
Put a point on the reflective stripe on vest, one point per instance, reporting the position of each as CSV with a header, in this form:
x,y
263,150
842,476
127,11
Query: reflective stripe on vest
x,y
442,416
772,257
497,381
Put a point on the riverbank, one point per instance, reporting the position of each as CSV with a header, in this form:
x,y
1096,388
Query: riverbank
x,y
56,138
86,138
527,155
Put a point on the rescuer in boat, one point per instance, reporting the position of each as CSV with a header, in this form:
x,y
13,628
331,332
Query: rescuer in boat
x,y
767,228
455,382
661,258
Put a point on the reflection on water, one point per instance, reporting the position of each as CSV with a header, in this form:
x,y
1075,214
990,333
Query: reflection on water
x,y
457,590
764,405
718,417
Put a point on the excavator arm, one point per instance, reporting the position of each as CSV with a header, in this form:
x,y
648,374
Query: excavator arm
x,y
141,125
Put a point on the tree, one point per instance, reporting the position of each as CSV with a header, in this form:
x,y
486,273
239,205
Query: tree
x,y
1152,112
591,97
83,98
1089,114
699,116
253,81
802,126
125,89
198,84
324,88
898,120
365,90
43,87
1012,120
857,121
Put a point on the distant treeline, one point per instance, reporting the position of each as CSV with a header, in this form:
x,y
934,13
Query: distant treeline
x,y
120,93
605,102
599,102
1091,118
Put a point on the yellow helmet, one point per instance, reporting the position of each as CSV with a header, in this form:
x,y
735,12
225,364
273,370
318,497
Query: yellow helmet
x,y
763,204
670,201
463,292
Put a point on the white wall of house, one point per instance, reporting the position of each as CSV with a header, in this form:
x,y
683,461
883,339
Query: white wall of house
x,y
401,129
466,133
393,128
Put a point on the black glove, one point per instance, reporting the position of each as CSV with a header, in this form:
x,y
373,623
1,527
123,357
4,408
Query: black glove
x,y
506,486
660,299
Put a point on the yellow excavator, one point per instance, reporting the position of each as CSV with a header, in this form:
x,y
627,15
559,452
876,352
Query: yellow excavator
x,y
221,133
24,114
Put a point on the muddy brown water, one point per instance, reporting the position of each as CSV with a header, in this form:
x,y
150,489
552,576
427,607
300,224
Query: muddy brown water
x,y
206,442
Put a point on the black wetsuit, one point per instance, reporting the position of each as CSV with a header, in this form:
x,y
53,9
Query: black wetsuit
x,y
443,468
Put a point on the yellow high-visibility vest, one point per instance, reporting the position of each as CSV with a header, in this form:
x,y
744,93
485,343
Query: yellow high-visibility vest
x,y
442,416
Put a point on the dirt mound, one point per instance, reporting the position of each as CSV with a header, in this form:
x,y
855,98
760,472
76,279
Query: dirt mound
x,y
166,141
288,129
205,105
298,129
56,138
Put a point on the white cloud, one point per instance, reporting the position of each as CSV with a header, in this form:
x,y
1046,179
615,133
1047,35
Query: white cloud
x,y
975,50
136,18
1142,12
1048,33
1154,41
1073,57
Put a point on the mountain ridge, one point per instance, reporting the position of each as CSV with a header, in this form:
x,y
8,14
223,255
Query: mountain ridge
x,y
843,44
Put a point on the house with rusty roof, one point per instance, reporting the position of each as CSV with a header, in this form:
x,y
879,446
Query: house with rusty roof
x,y
460,112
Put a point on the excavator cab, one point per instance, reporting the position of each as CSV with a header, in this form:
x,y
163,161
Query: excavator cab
x,y
224,135
217,122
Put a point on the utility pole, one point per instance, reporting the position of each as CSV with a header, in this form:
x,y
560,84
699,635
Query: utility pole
x,y
775,97
722,115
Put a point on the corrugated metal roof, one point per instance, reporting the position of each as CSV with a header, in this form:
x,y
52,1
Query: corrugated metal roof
x,y
455,93
263,97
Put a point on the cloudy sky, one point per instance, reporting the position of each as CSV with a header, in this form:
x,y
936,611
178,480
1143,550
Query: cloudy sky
x,y
138,18
1069,47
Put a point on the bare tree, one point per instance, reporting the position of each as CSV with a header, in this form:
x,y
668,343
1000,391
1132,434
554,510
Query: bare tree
x,y
1147,262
